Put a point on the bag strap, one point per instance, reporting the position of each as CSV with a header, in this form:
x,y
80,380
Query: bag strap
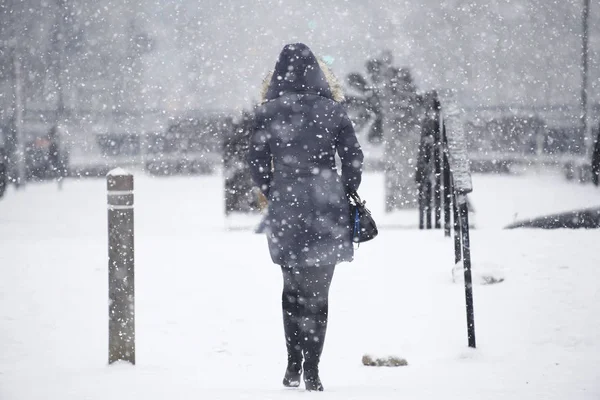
x,y
355,197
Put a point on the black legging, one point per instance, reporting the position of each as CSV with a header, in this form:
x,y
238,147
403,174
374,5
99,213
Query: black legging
x,y
305,306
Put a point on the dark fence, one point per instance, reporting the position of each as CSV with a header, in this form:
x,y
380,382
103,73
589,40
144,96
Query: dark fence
x,y
444,180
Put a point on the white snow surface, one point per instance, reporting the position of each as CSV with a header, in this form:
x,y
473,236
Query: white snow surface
x,y
208,318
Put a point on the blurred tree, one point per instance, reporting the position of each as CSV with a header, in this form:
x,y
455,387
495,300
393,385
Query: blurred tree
x,y
239,194
386,98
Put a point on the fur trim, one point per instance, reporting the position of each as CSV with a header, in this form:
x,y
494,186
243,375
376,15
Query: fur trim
x,y
334,84
264,87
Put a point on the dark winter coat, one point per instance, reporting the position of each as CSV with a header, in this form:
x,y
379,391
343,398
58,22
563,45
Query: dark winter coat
x,y
297,132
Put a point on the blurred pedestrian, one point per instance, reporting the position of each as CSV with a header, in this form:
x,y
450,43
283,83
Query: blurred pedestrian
x,y
297,131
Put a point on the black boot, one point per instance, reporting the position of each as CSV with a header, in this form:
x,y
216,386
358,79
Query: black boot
x,y
312,381
312,355
314,339
292,340
292,374
311,307
314,324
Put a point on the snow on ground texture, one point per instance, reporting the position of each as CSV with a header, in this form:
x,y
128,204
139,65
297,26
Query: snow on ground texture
x,y
208,301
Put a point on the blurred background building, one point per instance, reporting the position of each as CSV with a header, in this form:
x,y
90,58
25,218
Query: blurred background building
x,y
117,78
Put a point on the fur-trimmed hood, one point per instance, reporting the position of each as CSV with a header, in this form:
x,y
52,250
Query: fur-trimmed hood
x,y
335,88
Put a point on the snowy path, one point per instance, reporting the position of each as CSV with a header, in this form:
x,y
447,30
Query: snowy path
x,y
207,301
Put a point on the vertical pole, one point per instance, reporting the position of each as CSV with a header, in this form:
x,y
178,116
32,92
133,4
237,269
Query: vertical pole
x,y
428,208
438,190
596,160
422,177
457,234
447,197
121,282
584,77
428,179
421,205
18,118
466,249
58,48
437,167
447,194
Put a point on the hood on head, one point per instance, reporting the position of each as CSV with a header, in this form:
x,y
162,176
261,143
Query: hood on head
x,y
337,92
297,71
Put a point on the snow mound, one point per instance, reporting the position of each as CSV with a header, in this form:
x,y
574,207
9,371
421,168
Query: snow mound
x,y
387,361
118,172
484,273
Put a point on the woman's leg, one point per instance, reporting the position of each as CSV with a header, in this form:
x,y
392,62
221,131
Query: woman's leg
x,y
291,326
314,284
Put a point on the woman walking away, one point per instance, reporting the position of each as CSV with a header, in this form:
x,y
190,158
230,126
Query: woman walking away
x,y
297,131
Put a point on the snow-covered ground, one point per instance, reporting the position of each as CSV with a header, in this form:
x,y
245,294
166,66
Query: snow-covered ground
x,y
208,300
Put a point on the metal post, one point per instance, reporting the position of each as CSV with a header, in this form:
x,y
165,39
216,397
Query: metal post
x,y
447,193
421,190
121,282
18,118
596,160
457,236
428,207
423,179
437,191
466,250
428,179
459,185
58,49
584,77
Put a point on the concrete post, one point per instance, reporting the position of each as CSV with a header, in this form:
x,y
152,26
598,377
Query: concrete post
x,y
121,283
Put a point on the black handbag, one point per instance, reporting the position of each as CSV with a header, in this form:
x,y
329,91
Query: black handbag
x,y
362,224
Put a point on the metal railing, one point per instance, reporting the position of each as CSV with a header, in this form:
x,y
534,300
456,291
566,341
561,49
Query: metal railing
x,y
444,180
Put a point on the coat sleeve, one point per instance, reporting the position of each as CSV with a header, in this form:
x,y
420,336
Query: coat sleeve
x,y
350,154
259,156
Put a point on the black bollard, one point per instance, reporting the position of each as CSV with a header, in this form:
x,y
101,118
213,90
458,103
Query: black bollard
x,y
121,282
